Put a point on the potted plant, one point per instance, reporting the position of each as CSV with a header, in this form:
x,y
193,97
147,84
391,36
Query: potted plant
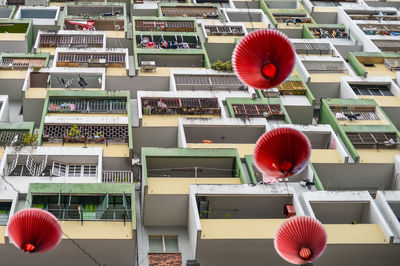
x,y
73,133
102,138
30,139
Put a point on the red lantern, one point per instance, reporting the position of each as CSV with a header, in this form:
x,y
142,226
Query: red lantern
x,y
300,239
282,152
34,230
263,59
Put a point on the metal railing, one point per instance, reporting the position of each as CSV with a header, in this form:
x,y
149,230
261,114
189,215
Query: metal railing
x,y
117,176
79,214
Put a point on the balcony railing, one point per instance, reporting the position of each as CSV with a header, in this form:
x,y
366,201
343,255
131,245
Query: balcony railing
x,y
87,134
387,45
213,30
321,33
269,111
207,82
355,112
185,106
198,12
91,59
7,137
75,40
374,140
117,106
78,214
313,48
117,177
173,26
10,62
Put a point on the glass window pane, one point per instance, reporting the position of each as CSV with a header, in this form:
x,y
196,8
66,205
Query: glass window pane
x,y
155,244
171,244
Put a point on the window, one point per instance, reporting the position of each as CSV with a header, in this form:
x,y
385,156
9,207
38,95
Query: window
x,y
163,244
74,170
371,89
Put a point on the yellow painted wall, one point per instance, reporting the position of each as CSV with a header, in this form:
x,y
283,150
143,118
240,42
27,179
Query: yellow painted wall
x,y
355,234
180,185
239,228
3,230
50,50
115,34
327,77
13,74
168,120
97,230
255,25
116,71
325,9
111,150
266,229
383,101
12,36
325,156
380,70
377,156
40,93
1,152
222,39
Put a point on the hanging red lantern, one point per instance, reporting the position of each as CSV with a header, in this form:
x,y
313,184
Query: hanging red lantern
x,y
34,230
282,152
263,59
300,239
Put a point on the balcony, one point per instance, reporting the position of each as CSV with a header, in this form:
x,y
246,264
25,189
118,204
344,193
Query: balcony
x,y
208,82
165,41
90,59
276,4
206,12
372,16
387,45
98,134
48,40
12,136
114,28
167,25
214,30
358,115
272,112
92,106
313,49
358,222
374,140
180,106
327,67
22,63
117,177
95,10
331,33
47,16
380,29
240,137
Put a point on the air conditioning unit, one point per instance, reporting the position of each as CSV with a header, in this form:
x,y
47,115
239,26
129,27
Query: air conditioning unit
x,y
192,263
149,66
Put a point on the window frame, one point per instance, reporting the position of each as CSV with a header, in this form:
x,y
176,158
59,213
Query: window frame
x,y
164,248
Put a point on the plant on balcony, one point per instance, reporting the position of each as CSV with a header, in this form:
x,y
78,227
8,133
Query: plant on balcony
x,y
222,66
99,137
73,133
30,139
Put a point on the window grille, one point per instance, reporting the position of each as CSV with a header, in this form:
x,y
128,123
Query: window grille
x,y
371,89
73,40
12,165
172,26
368,140
362,112
313,48
195,11
387,45
213,30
